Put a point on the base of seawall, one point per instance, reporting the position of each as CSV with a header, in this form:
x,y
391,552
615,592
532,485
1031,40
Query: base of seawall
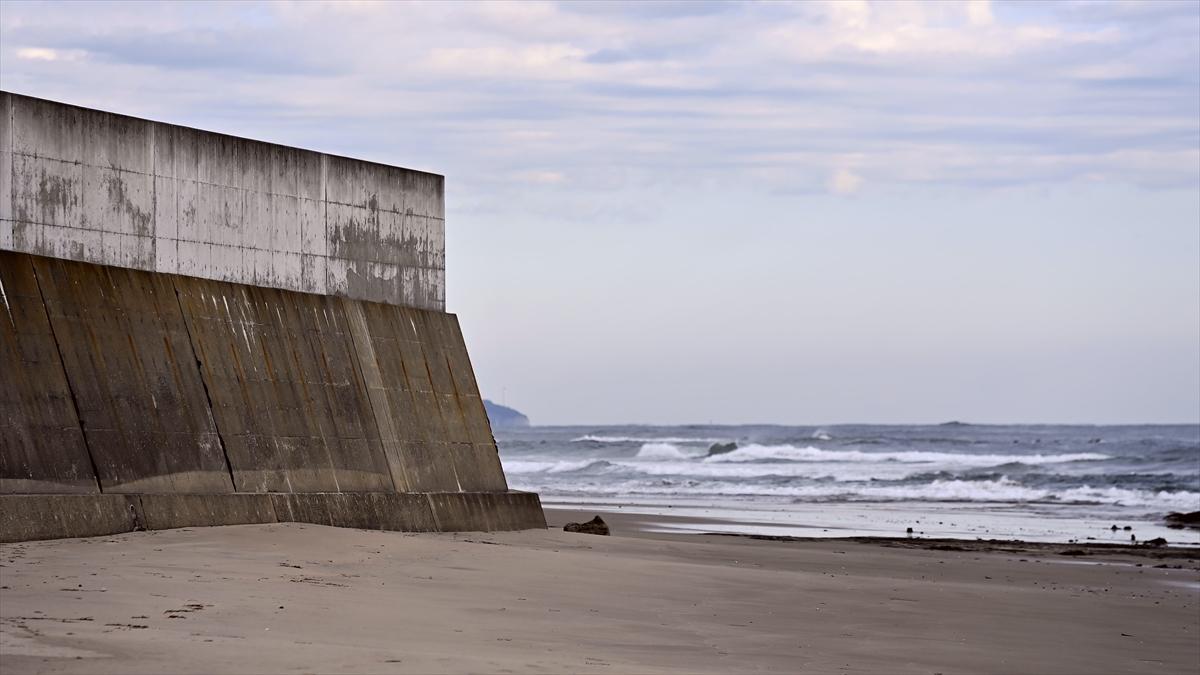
x,y
48,516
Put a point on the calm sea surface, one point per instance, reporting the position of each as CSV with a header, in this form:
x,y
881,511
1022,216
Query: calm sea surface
x,y
1038,483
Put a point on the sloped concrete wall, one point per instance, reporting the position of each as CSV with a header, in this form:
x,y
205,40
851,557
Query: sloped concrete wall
x,y
139,397
285,388
155,383
93,186
41,441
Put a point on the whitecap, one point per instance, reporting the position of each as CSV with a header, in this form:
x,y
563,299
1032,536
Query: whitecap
x,y
642,439
1003,491
522,466
789,453
662,451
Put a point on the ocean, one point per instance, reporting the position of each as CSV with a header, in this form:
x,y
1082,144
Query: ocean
x,y
1034,483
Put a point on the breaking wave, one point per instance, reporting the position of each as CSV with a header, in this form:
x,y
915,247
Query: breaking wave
x,y
998,491
789,453
664,451
589,438
518,466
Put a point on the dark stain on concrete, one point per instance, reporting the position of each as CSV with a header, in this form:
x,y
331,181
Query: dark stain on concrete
x,y
118,198
57,192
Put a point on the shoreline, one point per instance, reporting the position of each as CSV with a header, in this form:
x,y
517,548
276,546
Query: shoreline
x,y
293,597
1053,483
634,524
951,521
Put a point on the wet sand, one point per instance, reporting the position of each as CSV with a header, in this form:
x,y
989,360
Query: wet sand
x,y
304,598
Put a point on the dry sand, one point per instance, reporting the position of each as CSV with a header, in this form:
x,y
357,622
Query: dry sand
x,y
302,598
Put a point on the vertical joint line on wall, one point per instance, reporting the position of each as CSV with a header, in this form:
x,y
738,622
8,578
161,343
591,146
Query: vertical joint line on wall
x,y
62,362
352,312
204,383
325,218
154,199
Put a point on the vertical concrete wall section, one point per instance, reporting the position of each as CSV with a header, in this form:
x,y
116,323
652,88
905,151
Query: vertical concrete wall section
x,y
97,187
198,329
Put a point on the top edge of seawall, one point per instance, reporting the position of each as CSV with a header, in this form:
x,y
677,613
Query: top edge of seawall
x,y
234,137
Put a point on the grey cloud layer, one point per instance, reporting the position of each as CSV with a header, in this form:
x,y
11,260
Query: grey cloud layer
x,y
545,93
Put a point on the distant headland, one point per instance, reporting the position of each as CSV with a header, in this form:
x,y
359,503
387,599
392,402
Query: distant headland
x,y
503,417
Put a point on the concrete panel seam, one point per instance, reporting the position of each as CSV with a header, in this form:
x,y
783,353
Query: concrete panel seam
x,y
139,512
438,410
437,524
70,387
154,200
10,198
356,326
325,213
204,383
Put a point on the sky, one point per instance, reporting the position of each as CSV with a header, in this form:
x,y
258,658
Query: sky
x,y
684,212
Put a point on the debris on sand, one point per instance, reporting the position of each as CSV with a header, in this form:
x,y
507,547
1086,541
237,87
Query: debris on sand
x,y
594,526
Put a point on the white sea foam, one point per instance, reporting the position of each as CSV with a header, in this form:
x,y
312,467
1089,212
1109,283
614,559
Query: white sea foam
x,y
790,453
997,491
841,471
664,451
640,439
522,466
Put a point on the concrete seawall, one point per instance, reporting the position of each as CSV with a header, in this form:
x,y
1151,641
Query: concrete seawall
x,y
132,397
122,382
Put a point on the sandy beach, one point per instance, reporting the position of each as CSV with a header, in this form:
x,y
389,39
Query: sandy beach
x,y
292,598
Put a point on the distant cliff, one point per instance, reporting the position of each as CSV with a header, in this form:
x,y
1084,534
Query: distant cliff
x,y
503,417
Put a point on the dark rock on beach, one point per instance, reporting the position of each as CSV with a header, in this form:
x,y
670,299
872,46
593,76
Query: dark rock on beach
x,y
594,526
721,448
1179,521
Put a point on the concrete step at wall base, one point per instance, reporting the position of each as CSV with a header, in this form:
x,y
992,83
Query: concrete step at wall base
x,y
58,516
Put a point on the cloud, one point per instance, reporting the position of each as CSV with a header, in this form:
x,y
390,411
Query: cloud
x,y
550,60
540,177
758,96
43,54
843,181
979,12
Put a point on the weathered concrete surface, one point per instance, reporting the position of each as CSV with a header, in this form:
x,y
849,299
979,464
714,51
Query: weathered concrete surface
x,y
426,389
282,377
191,386
26,517
97,187
407,512
166,511
490,511
141,403
42,447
